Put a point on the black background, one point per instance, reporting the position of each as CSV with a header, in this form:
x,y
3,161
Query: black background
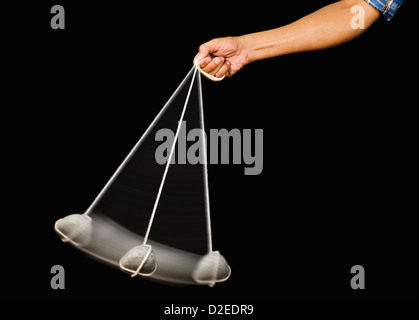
x,y
338,184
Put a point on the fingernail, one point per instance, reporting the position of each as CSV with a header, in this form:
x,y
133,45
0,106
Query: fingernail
x,y
217,60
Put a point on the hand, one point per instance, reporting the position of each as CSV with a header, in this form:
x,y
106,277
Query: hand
x,y
223,56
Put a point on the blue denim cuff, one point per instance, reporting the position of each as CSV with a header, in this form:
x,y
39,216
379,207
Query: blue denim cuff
x,y
387,7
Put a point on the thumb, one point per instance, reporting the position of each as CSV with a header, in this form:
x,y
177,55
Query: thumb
x,y
206,50
202,53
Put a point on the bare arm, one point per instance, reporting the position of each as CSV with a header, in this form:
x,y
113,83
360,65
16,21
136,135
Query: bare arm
x,y
324,28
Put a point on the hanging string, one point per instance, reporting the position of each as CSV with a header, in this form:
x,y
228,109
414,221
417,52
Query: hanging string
x,y
169,159
144,136
137,145
205,166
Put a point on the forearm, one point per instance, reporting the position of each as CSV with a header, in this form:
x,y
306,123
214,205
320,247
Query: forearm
x,y
324,28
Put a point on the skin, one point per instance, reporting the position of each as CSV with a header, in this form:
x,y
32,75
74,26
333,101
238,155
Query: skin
x,y
325,28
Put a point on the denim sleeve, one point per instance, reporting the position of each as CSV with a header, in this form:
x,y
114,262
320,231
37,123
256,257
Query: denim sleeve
x,y
387,7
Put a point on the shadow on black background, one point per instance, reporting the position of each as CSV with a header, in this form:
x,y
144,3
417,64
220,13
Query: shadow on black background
x,y
337,185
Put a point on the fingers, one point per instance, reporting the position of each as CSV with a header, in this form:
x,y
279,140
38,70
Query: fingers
x,y
204,61
216,66
223,70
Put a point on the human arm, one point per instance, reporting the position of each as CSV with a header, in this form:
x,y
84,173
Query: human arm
x,y
322,29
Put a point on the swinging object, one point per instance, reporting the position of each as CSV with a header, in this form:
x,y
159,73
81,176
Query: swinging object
x,y
141,260
211,268
75,228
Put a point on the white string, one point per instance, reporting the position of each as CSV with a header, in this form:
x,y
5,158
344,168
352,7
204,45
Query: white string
x,y
137,145
169,159
144,136
205,166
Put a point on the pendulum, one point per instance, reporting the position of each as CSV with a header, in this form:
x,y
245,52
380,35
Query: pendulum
x,y
75,228
211,268
139,260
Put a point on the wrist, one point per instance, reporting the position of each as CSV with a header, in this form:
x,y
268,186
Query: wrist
x,y
248,47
